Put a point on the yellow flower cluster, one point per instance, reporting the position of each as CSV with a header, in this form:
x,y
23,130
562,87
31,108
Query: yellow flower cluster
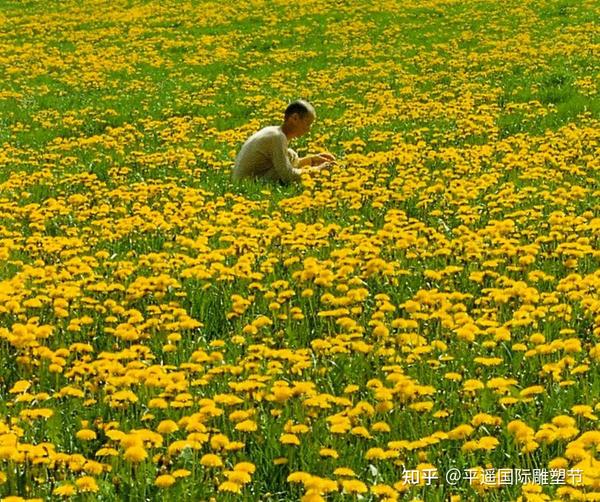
x,y
430,302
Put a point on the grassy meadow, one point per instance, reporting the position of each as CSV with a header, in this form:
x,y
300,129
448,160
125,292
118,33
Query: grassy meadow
x,y
431,304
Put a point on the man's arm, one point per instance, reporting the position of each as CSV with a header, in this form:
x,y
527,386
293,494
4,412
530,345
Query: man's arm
x,y
287,172
281,162
293,156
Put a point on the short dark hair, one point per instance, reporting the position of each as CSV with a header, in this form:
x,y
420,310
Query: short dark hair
x,y
301,107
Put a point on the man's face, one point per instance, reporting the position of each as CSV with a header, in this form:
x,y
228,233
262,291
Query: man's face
x,y
303,124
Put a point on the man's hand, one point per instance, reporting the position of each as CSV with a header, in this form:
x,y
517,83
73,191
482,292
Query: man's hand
x,y
321,158
327,156
317,160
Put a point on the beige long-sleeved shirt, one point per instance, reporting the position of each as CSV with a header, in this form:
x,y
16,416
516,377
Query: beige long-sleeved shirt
x,y
266,155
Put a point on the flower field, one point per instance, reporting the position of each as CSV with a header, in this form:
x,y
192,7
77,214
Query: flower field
x,y
431,305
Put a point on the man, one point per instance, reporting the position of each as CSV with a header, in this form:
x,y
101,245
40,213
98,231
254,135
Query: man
x,y
266,155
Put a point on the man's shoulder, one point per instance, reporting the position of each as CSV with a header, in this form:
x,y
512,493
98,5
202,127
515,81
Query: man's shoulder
x,y
270,132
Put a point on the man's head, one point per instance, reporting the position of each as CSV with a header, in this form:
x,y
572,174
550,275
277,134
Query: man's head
x,y
298,117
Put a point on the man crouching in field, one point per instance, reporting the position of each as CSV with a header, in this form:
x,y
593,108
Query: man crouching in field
x,y
266,155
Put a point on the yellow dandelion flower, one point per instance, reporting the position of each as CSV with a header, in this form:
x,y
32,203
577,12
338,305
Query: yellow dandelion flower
x,y
344,471
353,486
381,490
361,431
328,452
248,467
116,435
299,429
380,427
87,484
164,481
487,443
167,427
584,410
20,386
558,463
234,445
66,490
472,385
240,477
507,401
247,426
298,477
375,454
135,454
211,460
421,406
219,441
564,421
455,377
158,402
181,473
460,432
312,496
469,446
532,390
291,439
321,485
230,486
485,419
85,435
